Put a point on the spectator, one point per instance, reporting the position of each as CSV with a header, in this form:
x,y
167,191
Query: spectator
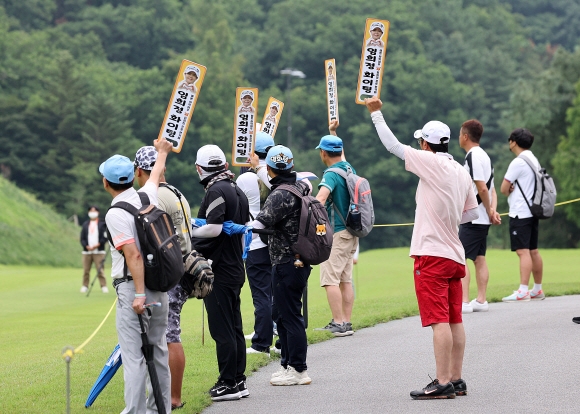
x,y
93,239
281,213
223,201
174,204
258,264
118,175
473,235
336,272
524,227
445,198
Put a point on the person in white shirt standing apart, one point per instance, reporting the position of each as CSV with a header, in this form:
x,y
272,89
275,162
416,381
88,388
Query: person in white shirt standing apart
x,y
118,175
519,182
473,235
445,198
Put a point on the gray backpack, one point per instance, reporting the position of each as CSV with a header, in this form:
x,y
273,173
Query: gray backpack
x,y
361,215
544,196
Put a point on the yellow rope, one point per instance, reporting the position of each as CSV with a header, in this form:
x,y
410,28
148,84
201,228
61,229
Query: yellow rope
x,y
502,214
69,353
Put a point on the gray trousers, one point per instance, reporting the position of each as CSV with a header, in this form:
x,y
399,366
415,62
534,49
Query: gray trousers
x,y
134,366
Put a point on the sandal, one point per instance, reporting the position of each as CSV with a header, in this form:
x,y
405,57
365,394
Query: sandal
x,y
177,407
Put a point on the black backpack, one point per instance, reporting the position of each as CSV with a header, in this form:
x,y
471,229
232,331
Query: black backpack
x,y
315,231
160,247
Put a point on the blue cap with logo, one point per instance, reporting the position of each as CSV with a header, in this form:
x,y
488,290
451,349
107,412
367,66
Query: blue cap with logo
x,y
263,142
118,169
280,158
330,143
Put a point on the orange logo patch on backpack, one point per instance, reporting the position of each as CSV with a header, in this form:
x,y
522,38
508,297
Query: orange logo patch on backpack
x,y
321,229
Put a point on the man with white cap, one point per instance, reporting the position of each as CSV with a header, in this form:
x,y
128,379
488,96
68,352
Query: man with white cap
x,y
445,198
118,175
258,264
281,213
173,203
223,201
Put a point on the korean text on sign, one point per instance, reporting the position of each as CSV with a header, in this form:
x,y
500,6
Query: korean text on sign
x,y
372,59
331,90
272,116
244,125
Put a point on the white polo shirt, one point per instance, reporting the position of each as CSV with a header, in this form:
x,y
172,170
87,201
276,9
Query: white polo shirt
x,y
248,183
481,172
121,225
520,170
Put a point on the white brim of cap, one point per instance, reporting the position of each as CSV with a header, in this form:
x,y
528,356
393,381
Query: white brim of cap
x,y
418,134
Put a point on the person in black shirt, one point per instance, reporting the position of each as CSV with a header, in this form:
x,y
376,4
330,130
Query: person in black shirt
x,y
281,212
223,201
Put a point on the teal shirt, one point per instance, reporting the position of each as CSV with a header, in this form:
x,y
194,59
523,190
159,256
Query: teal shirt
x,y
338,193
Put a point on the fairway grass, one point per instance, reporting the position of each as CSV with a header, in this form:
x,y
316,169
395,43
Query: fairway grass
x,y
43,311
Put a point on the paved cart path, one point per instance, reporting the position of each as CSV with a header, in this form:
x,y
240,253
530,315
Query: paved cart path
x,y
520,357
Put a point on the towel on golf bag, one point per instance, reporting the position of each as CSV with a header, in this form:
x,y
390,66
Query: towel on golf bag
x,y
197,280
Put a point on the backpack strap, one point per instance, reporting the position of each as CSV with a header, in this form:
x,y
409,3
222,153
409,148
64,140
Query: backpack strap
x,y
488,184
529,162
343,174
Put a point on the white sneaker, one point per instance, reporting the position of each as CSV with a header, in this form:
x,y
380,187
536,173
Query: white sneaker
x,y
466,307
84,289
105,289
251,350
292,377
281,371
479,307
249,336
276,350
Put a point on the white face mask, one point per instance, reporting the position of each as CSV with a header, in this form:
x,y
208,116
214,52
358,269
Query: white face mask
x,y
93,214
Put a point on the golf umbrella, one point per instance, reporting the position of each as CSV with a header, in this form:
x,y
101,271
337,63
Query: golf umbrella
x,y
109,370
148,349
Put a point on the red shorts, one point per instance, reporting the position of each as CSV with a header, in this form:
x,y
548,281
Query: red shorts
x,y
438,289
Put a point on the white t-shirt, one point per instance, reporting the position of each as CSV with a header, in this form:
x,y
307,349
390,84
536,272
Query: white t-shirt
x,y
520,170
444,192
248,183
481,172
121,225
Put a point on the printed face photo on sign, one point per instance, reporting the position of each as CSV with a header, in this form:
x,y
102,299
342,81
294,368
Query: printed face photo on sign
x,y
247,98
376,33
190,76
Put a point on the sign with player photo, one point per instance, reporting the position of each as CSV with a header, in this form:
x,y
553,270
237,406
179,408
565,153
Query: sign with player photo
x,y
272,116
331,90
182,103
244,125
372,60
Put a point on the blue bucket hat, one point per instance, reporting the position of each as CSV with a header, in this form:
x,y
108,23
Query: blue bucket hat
x,y
330,143
263,142
118,169
280,158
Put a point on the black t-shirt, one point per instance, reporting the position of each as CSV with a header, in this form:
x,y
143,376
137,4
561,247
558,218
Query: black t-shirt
x,y
223,201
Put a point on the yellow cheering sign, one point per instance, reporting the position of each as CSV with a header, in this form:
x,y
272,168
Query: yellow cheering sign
x,y
182,103
244,125
331,90
272,116
372,60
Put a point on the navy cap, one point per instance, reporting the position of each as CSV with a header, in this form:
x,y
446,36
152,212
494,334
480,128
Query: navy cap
x,y
330,143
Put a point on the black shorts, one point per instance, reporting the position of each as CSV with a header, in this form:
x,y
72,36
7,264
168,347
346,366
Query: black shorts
x,y
474,239
524,233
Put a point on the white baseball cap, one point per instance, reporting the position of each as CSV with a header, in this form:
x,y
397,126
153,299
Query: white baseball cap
x,y
210,156
247,93
193,69
434,132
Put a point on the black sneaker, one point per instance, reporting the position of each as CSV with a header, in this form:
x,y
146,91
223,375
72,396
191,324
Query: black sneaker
x,y
460,387
576,319
223,392
243,389
434,390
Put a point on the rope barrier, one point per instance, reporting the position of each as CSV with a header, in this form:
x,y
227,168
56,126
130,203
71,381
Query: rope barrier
x,y
502,214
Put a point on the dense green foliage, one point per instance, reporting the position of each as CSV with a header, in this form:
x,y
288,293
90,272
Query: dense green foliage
x,y
82,80
33,233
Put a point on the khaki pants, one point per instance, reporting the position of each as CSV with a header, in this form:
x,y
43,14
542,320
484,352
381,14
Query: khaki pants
x,y
88,260
338,268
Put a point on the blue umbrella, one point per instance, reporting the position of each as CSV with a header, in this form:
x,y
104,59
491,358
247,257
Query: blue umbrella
x,y
109,370
230,228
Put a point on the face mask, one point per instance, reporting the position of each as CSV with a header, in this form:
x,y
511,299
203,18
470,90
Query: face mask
x,y
93,215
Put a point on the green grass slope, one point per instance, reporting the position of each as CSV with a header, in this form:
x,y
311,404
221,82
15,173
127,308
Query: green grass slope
x,y
32,233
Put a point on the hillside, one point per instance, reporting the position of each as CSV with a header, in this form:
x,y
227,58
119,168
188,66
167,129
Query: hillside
x,y
33,233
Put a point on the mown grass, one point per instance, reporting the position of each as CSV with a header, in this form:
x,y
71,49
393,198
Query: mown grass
x,y
33,233
42,311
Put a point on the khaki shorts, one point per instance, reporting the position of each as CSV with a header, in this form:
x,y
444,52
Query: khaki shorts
x,y
338,267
